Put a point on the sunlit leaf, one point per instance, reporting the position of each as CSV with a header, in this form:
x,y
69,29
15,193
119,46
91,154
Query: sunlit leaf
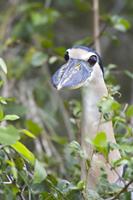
x,y
3,100
24,151
28,133
81,185
11,117
100,143
100,139
1,113
115,105
3,65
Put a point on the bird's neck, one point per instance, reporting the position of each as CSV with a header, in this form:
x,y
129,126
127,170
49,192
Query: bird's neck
x,y
94,91
92,94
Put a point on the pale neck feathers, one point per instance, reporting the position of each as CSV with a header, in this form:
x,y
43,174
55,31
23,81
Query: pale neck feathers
x,y
92,123
94,90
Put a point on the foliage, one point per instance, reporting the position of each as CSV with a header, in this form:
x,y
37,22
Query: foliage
x,y
40,151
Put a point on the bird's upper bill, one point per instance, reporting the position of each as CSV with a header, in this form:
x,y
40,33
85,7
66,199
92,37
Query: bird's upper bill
x,y
78,69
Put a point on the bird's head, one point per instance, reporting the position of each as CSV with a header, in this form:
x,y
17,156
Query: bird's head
x,y
82,66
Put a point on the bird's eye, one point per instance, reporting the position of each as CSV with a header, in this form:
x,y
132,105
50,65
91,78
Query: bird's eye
x,y
66,56
92,60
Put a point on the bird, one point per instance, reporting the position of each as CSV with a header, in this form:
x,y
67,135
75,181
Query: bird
x,y
83,68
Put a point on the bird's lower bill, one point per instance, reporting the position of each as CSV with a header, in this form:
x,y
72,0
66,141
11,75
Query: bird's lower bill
x,y
72,75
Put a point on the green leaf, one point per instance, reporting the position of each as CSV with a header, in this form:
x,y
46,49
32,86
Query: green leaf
x,y
3,100
3,65
120,162
106,104
115,106
120,23
48,196
1,83
75,149
100,143
9,135
59,139
119,119
93,195
81,185
11,117
39,59
53,59
66,186
100,139
39,19
13,168
33,127
112,66
1,113
75,146
129,74
39,172
19,162
59,51
28,133
129,111
26,153
127,148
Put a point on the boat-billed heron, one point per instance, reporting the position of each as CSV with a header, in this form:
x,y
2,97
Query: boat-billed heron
x,y
83,67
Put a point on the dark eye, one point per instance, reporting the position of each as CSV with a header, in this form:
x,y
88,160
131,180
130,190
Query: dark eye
x,y
92,60
66,56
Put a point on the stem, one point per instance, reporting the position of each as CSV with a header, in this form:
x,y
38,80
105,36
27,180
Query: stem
x,y
100,35
96,27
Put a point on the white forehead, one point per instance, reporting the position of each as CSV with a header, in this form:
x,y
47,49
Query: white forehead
x,y
78,53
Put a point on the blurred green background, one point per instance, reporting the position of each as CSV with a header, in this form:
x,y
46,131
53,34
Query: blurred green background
x,y
33,38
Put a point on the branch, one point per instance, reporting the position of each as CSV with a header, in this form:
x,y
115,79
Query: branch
x,y
121,191
99,35
47,3
96,27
